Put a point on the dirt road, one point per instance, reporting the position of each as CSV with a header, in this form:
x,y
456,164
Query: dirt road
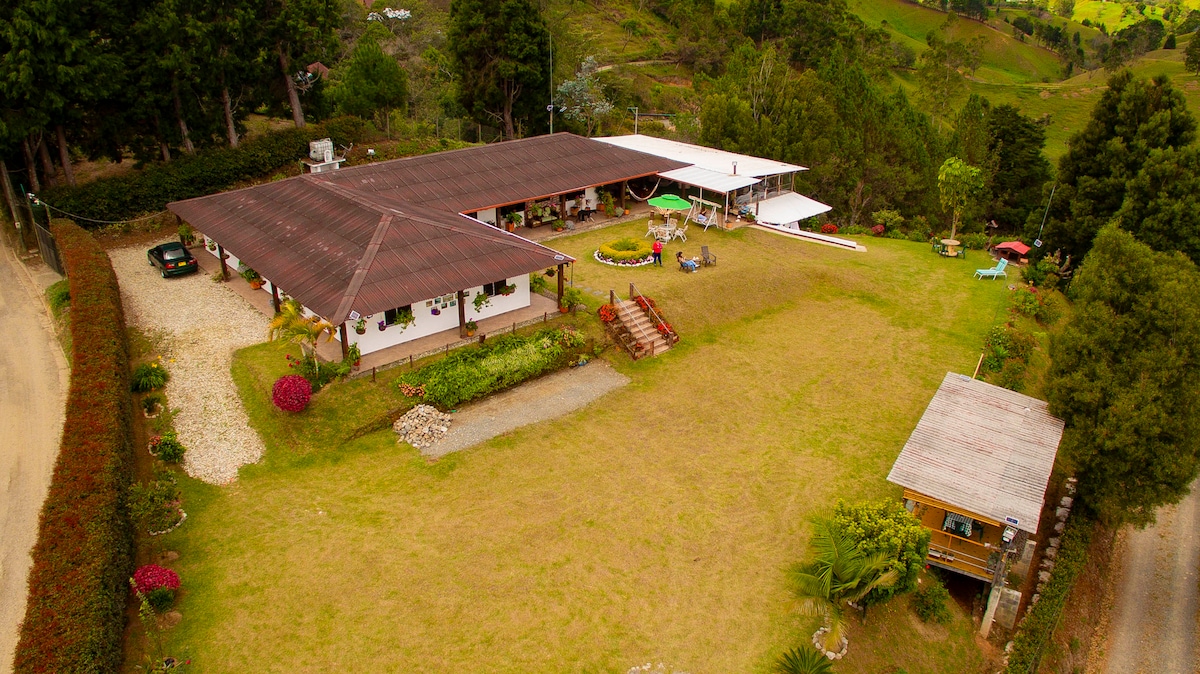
x,y
1154,618
33,381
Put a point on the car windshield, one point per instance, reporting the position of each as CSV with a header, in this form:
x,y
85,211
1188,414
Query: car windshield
x,y
174,254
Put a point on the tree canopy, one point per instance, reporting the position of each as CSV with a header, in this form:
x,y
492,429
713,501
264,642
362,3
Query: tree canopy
x,y
1124,377
960,186
371,82
885,527
501,54
1134,117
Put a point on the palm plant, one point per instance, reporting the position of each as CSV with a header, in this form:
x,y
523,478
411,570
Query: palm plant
x,y
292,325
803,660
839,574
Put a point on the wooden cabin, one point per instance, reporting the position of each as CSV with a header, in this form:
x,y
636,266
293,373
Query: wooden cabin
x,y
975,471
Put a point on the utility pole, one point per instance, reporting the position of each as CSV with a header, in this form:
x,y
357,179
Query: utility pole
x,y
551,106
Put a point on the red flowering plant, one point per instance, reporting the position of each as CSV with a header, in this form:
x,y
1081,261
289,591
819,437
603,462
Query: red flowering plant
x,y
152,576
411,391
291,393
829,228
665,329
608,313
646,303
877,230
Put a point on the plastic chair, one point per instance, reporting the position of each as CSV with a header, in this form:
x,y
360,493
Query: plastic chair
x,y
708,258
994,272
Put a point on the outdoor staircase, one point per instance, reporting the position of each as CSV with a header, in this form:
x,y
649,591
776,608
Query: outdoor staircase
x,y
641,328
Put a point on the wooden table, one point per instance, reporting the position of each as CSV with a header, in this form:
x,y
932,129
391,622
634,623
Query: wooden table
x,y
950,244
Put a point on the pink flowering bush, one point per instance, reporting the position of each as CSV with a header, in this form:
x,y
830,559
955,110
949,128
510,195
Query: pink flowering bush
x,y
829,228
152,577
291,393
877,230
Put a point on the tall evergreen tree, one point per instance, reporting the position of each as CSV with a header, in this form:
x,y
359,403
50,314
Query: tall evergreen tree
x,y
1133,117
371,82
1020,168
1162,203
1124,378
298,32
501,54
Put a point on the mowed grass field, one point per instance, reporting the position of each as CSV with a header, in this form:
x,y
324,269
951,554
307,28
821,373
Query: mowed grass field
x,y
655,525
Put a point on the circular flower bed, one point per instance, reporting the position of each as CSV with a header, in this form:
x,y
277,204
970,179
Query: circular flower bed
x,y
152,576
291,393
627,252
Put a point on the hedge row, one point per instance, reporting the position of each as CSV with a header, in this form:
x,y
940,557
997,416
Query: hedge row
x,y
207,172
1038,627
79,581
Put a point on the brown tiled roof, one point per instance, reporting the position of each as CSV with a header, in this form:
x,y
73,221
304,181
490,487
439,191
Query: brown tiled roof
x,y
338,250
502,173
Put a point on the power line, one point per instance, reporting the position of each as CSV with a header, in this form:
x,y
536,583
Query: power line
x,y
38,202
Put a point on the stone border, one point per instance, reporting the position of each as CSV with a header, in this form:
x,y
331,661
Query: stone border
x,y
643,263
182,519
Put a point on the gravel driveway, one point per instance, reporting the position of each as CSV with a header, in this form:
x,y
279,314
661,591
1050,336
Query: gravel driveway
x,y
202,323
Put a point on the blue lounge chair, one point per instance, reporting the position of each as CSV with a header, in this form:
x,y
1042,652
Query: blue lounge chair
x,y
994,272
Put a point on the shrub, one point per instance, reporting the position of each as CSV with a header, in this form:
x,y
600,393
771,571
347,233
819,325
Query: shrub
x,y
1043,273
151,401
154,505
58,296
607,313
853,230
919,237
1036,305
888,219
81,562
886,527
975,241
829,228
930,602
1037,628
469,374
291,393
167,447
149,377
160,599
1004,342
152,577
896,234
317,373
206,172
627,250
1011,375
878,230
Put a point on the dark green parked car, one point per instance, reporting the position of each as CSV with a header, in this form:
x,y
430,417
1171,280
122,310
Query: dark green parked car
x,y
172,259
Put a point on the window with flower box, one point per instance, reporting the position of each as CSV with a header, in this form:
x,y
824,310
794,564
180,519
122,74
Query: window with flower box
x,y
500,287
398,316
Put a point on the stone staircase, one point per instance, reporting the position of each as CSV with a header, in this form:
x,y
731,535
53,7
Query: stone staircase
x,y
641,328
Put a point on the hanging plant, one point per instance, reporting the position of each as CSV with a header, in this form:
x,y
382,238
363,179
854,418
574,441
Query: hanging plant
x,y
481,300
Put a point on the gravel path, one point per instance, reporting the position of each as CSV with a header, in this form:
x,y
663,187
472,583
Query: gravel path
x,y
202,323
1154,617
556,394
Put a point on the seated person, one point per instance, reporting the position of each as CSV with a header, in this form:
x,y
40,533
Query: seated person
x,y
684,263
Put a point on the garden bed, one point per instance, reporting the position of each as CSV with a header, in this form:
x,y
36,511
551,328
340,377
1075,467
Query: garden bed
x,y
626,252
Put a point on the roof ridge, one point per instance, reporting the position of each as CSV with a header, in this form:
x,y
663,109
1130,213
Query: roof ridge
x,y
364,267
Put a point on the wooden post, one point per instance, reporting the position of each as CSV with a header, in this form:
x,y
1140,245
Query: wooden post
x,y
631,295
345,341
462,317
224,267
372,374
612,297
275,296
560,284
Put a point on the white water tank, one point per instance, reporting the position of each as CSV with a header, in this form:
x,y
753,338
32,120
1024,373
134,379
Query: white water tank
x,y
321,150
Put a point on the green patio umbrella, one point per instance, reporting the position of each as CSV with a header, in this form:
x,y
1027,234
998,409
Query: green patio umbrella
x,y
670,202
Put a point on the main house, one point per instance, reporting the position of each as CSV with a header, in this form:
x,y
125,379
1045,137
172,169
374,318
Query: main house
x,y
393,251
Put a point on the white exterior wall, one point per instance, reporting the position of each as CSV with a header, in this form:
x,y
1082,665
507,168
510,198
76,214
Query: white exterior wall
x,y
488,215
425,322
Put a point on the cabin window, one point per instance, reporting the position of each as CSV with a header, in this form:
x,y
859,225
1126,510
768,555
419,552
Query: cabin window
x,y
398,316
495,288
959,525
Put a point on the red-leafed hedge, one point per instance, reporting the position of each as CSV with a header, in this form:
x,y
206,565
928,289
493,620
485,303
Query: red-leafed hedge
x,y
79,580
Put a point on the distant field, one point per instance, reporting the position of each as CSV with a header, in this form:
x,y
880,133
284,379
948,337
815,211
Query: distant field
x,y
1005,59
1111,13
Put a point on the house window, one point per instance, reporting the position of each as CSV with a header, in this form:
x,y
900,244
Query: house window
x,y
495,288
959,525
398,316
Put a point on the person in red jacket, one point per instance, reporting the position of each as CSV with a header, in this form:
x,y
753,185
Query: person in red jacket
x,y
657,248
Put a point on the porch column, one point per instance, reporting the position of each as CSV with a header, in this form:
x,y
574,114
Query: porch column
x,y
224,267
525,216
462,316
275,296
560,284
624,188
345,340
178,224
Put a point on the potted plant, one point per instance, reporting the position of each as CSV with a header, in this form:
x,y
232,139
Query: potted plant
x,y
360,326
353,355
508,289
210,245
610,208
471,327
511,220
252,277
404,318
187,236
571,297
558,225
481,300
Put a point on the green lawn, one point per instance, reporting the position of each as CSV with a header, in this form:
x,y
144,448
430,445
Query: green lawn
x,y
655,525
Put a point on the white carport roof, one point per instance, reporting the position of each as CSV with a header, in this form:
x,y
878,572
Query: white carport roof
x,y
788,207
709,180
718,161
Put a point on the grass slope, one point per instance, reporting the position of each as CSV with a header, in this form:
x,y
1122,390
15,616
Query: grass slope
x,y
654,525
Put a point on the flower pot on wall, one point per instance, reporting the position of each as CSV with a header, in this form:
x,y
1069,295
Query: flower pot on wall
x,y
256,285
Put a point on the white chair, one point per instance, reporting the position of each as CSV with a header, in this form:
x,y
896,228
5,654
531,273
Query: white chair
x,y
680,233
651,230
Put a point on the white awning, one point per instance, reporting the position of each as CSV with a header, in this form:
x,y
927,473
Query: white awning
x,y
788,208
712,159
709,180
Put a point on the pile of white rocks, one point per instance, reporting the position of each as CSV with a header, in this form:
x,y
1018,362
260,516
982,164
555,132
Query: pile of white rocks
x,y
422,426
1060,514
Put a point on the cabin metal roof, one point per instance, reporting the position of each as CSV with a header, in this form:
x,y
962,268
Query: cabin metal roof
x,y
984,449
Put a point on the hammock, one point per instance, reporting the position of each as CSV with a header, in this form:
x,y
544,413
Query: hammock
x,y
637,198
